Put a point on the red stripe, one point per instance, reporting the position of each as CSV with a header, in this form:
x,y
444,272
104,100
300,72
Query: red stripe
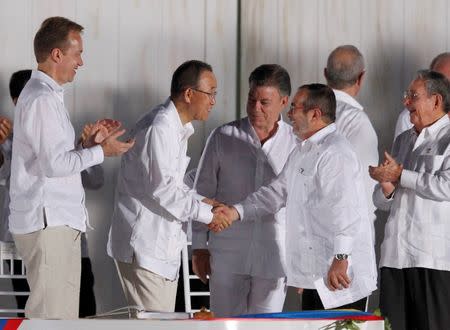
x,y
13,324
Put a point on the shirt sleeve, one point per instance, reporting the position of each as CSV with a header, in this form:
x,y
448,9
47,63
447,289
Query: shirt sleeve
x,y
434,186
338,175
43,126
165,183
206,185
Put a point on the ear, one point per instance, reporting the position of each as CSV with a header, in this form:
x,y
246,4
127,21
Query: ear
x,y
187,95
316,114
56,55
325,73
360,78
284,101
438,102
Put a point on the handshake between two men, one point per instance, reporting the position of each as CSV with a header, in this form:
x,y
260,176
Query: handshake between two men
x,y
224,215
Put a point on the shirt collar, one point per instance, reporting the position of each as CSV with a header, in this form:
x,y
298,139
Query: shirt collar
x,y
47,80
433,129
320,135
344,97
251,130
185,130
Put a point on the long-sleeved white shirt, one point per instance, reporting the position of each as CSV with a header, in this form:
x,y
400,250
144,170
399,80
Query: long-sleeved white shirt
x,y
152,204
354,124
233,165
403,123
417,232
322,188
46,184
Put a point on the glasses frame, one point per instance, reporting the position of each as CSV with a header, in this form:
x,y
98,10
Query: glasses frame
x,y
212,95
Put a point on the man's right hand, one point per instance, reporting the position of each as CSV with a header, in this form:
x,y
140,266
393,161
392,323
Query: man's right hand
x,y
113,147
200,264
5,129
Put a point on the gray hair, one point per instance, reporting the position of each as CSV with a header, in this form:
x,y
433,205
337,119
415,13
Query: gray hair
x,y
441,57
436,83
344,66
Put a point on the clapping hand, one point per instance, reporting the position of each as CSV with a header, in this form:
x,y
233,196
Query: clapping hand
x,y
388,171
5,129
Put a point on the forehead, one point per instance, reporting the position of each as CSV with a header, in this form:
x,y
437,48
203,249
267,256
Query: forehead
x,y
417,85
263,91
301,96
75,40
207,79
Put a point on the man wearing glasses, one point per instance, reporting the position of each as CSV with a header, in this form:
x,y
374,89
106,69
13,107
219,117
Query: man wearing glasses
x,y
414,186
152,204
441,64
247,263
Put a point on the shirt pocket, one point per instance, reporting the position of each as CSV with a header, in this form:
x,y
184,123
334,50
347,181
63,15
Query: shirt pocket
x,y
430,163
303,185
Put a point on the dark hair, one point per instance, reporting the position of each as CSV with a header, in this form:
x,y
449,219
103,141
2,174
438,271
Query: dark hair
x,y
187,76
17,82
344,66
53,34
273,75
322,97
436,83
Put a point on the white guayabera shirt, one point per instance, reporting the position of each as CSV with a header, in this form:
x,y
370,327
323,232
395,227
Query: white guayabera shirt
x,y
417,233
152,203
354,124
233,165
45,183
323,190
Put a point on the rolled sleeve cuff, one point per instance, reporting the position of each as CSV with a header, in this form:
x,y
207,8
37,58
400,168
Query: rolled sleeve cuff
x,y
343,245
240,209
98,154
204,213
409,179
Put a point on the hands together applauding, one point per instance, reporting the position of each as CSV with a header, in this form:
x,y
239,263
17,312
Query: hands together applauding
x,y
224,215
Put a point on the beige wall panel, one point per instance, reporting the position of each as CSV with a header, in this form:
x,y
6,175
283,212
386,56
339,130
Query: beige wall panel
x,y
95,97
382,47
298,44
16,47
259,39
339,24
425,34
221,53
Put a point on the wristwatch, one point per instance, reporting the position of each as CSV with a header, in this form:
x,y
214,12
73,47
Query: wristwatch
x,y
341,256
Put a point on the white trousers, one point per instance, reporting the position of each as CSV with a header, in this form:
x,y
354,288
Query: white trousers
x,y
233,294
146,289
52,258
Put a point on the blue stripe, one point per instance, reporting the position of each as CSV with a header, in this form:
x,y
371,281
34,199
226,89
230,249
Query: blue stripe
x,y
3,323
307,314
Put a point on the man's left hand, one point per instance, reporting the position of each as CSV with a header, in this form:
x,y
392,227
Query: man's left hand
x,y
337,275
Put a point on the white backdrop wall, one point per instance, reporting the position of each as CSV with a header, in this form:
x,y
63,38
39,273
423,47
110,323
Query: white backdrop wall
x,y
133,46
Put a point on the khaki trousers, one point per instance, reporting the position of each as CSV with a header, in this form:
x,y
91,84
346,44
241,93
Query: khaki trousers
x,y
52,258
146,289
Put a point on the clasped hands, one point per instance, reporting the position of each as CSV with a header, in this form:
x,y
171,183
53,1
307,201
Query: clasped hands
x,y
387,174
224,215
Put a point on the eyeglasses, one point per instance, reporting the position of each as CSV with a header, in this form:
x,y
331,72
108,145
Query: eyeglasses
x,y
211,95
410,95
